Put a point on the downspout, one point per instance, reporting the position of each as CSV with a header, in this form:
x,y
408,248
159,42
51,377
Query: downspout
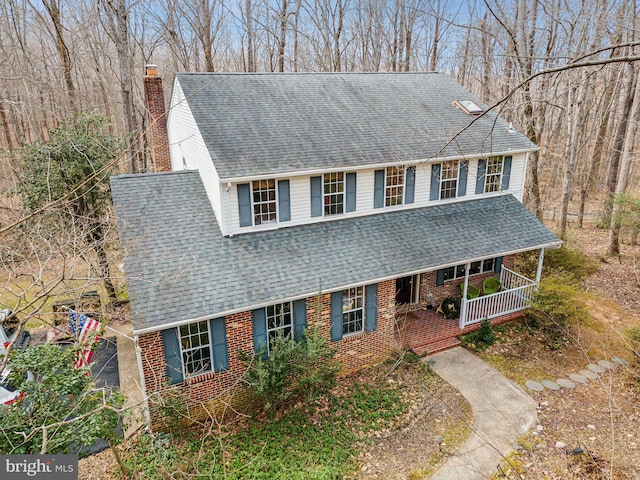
x,y
227,208
143,385
463,300
539,269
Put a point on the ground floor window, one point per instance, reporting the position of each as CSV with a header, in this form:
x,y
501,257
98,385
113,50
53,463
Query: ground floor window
x,y
195,345
279,322
458,271
352,310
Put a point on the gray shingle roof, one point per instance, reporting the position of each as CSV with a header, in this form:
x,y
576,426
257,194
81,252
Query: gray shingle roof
x,y
258,124
179,266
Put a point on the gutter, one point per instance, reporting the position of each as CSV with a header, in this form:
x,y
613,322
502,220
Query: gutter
x,y
546,246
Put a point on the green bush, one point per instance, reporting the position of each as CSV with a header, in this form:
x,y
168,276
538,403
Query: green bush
x,y
559,302
567,261
293,370
480,339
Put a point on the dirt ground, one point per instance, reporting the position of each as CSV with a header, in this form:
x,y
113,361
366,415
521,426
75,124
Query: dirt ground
x,y
600,419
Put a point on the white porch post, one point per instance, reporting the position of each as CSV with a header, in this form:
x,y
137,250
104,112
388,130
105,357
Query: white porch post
x,y
539,269
463,300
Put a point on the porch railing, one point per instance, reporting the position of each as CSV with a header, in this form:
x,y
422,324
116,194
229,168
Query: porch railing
x,y
516,295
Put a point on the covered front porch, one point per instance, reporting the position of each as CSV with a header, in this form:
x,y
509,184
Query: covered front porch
x,y
426,330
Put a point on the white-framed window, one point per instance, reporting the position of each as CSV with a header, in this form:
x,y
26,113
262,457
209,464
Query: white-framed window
x,y
333,193
195,345
279,322
394,186
449,174
352,310
493,177
264,201
476,268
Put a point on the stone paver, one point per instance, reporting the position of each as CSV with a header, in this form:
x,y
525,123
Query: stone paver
x,y
503,413
535,386
564,383
551,385
607,364
594,367
576,377
589,374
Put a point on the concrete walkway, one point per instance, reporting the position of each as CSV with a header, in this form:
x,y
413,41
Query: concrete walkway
x,y
503,413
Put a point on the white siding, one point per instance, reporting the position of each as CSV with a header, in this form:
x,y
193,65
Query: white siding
x,y
188,150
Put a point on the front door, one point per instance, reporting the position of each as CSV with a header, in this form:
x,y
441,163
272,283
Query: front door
x,y
406,290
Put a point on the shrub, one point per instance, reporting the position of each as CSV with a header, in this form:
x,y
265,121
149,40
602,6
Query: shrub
x,y
567,262
293,370
480,339
558,303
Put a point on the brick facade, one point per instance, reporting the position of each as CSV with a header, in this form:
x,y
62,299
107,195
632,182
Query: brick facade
x,y
353,351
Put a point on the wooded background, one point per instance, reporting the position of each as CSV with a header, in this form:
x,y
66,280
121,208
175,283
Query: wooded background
x,y
564,72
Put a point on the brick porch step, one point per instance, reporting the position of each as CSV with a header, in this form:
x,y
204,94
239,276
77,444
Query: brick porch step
x,y
435,347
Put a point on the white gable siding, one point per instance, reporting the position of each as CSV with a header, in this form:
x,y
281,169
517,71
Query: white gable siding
x,y
188,150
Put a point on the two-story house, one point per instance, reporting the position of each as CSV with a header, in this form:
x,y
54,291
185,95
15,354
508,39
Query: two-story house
x,y
324,200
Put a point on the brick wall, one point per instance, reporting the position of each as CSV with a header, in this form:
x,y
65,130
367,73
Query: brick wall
x,y
353,351
157,133
432,294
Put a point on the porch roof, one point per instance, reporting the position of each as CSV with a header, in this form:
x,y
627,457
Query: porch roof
x,y
179,267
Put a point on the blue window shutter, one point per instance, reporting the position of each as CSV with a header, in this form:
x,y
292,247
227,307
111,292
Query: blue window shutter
x,y
259,331
462,178
351,192
336,316
219,339
172,355
434,194
316,196
410,185
371,305
506,173
299,318
482,172
378,189
498,265
440,277
284,201
244,205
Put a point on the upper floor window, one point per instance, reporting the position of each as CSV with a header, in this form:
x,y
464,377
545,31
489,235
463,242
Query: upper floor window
x,y
449,179
264,201
494,174
394,186
333,193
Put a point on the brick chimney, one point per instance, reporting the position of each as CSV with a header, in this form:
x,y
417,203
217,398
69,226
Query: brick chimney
x,y
157,116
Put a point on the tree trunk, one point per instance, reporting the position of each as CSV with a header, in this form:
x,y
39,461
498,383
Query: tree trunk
x,y
625,168
618,142
53,9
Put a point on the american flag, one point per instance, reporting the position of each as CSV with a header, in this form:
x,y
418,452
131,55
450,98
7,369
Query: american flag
x,y
86,330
